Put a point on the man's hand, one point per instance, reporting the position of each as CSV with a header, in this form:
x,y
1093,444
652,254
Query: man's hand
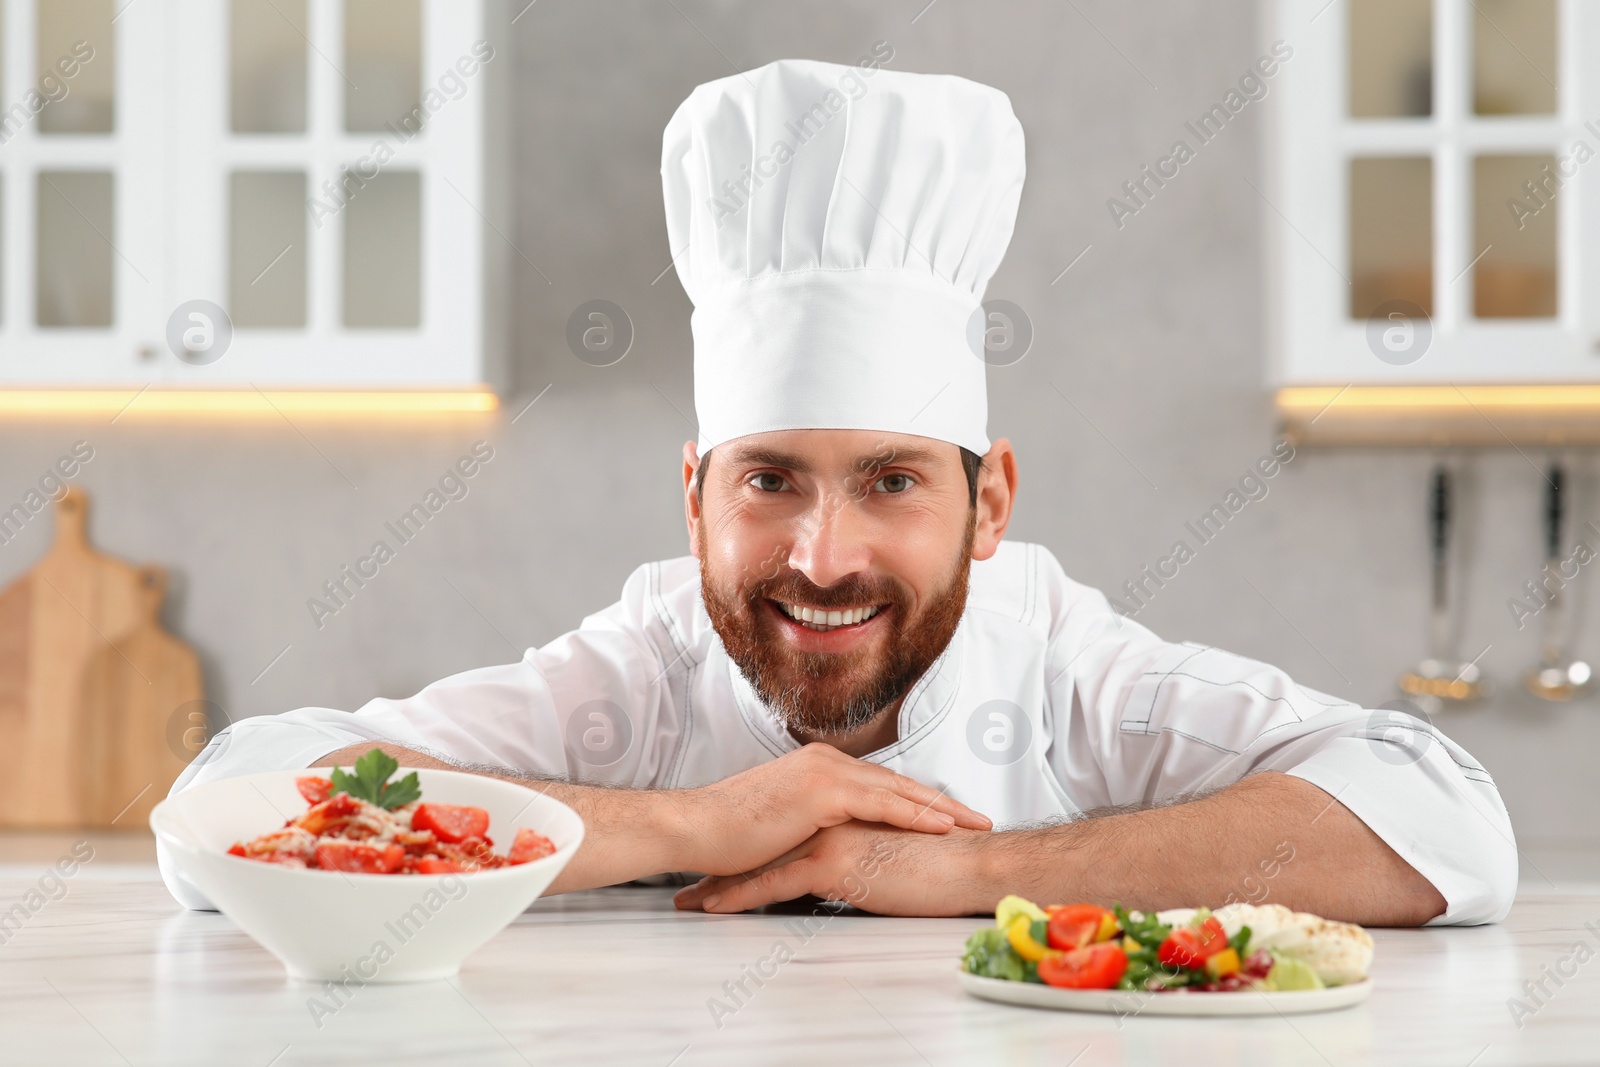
x,y
738,824
1269,837
877,868
755,817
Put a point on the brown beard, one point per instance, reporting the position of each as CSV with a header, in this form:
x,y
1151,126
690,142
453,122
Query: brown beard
x,y
831,693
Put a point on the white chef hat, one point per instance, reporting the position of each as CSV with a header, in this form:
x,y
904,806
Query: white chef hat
x,y
835,227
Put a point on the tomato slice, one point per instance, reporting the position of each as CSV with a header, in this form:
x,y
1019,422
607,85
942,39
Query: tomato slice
x,y
435,865
1075,925
314,789
1095,967
357,858
530,845
1190,946
328,815
451,822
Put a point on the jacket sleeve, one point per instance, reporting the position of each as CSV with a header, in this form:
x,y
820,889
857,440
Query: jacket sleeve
x,y
593,705
1140,720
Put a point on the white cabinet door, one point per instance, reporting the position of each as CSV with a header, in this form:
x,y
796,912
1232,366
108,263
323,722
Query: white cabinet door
x,y
323,171
1406,134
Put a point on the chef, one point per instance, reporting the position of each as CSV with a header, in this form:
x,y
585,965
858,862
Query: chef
x,y
854,686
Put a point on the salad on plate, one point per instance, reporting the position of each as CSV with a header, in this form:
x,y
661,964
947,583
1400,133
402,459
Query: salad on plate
x,y
1239,947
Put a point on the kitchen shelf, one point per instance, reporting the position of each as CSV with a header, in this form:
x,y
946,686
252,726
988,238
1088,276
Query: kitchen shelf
x,y
1440,415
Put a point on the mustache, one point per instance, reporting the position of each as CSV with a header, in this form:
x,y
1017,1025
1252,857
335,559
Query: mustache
x,y
796,588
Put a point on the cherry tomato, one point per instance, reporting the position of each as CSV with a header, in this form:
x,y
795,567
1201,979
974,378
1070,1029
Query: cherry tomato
x,y
357,858
1076,925
451,822
314,789
530,845
1096,967
1189,946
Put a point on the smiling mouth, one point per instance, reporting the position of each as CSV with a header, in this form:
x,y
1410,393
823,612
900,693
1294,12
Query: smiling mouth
x,y
824,619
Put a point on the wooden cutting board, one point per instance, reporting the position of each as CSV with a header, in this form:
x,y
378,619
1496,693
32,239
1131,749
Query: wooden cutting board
x,y
141,701
88,684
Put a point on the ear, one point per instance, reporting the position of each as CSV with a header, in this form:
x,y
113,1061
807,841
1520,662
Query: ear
x,y
691,499
997,493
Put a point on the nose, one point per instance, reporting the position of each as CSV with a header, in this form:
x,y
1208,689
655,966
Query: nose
x,y
830,541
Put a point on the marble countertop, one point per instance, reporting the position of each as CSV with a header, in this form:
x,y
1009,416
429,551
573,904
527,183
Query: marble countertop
x,y
113,972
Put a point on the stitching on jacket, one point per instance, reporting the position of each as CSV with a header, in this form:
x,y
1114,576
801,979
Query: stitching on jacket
x,y
745,714
1151,710
1033,583
685,741
1181,733
906,744
1431,733
1223,685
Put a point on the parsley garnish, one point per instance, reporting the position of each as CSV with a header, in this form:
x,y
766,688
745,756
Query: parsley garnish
x,y
371,781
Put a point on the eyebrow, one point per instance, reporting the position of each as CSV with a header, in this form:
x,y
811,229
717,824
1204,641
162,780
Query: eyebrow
x,y
758,455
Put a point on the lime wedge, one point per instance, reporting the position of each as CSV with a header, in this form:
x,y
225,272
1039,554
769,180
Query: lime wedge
x,y
1289,973
1012,906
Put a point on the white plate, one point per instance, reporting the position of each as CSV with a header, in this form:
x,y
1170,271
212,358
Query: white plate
x,y
1127,1002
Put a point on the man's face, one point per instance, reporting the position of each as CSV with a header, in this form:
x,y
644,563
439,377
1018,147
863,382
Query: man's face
x,y
875,530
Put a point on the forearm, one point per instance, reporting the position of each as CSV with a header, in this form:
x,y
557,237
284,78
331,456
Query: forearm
x,y
628,833
1215,850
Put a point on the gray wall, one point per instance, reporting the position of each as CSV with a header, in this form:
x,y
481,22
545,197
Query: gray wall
x,y
1155,335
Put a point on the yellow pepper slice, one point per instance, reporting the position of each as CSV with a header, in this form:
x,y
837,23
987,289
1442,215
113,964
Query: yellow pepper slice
x,y
1021,938
1222,964
1108,927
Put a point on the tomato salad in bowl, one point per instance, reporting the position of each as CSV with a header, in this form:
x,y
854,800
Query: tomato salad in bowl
x,y
392,878
363,823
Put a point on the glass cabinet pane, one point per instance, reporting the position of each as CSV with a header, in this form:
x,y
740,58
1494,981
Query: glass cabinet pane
x,y
1391,58
76,51
383,64
267,248
1514,57
73,262
1515,208
383,252
1391,233
268,68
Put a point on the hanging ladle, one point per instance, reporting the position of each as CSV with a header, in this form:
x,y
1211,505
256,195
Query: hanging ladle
x,y
1557,677
1441,678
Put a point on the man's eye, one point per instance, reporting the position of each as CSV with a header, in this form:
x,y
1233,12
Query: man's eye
x,y
769,483
893,483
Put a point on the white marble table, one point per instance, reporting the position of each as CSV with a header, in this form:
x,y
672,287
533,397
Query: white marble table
x,y
114,973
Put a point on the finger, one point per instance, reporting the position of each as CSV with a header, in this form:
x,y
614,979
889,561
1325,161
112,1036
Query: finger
x,y
778,883
881,805
688,898
927,796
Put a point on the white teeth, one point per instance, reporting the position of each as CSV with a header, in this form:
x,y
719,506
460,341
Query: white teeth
x,y
822,621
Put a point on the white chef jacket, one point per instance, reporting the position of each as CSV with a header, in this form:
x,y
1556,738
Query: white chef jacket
x,y
1046,703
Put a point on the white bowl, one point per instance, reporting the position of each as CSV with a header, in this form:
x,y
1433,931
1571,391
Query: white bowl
x,y
367,927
